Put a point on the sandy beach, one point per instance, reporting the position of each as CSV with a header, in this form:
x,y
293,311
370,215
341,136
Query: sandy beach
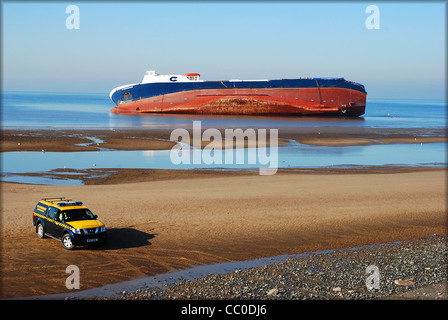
x,y
164,220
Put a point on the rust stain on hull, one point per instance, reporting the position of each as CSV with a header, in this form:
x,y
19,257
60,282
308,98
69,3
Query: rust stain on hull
x,y
309,101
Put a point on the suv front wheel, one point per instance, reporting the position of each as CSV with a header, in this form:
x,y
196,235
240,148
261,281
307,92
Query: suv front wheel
x,y
67,242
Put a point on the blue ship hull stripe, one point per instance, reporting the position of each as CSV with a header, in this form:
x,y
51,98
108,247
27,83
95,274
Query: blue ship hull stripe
x,y
148,90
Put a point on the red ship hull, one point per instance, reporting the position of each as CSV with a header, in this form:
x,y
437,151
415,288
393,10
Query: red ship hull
x,y
260,101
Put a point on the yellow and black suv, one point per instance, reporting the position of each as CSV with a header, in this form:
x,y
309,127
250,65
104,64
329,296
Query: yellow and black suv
x,y
69,222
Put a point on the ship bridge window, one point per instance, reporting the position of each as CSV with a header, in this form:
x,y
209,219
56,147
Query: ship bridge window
x,y
192,76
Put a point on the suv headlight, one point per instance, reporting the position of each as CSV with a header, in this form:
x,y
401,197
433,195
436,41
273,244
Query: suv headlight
x,y
103,229
76,231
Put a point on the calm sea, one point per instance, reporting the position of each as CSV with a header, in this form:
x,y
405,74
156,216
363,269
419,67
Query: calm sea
x,y
84,110
30,110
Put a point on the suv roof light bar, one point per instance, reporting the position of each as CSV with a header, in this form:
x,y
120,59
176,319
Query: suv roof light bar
x,y
64,204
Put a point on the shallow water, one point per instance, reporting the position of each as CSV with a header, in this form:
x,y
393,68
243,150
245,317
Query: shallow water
x,y
293,155
39,110
82,110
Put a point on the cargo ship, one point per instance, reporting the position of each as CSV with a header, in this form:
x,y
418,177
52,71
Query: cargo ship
x,y
188,94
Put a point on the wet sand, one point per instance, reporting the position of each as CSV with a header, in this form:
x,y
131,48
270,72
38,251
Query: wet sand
x,y
164,220
84,140
157,139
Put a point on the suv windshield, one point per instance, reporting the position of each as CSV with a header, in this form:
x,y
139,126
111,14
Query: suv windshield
x,y
78,214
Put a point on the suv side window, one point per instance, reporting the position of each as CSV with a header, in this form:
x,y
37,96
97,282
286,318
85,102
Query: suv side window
x,y
51,212
59,216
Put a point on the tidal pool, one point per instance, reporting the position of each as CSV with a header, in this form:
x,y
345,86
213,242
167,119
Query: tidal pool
x,y
292,155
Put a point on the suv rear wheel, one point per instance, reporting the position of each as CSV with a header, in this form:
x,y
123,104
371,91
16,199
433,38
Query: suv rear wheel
x,y
67,242
40,231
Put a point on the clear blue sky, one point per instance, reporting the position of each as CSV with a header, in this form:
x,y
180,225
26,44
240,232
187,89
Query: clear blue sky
x,y
118,41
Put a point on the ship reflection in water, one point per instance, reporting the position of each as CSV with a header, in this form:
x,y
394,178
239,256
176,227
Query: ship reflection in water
x,y
292,155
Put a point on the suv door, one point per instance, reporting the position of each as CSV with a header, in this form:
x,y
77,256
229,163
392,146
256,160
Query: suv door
x,y
53,226
59,227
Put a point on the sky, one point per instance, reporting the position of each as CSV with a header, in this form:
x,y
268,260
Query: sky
x,y
118,41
